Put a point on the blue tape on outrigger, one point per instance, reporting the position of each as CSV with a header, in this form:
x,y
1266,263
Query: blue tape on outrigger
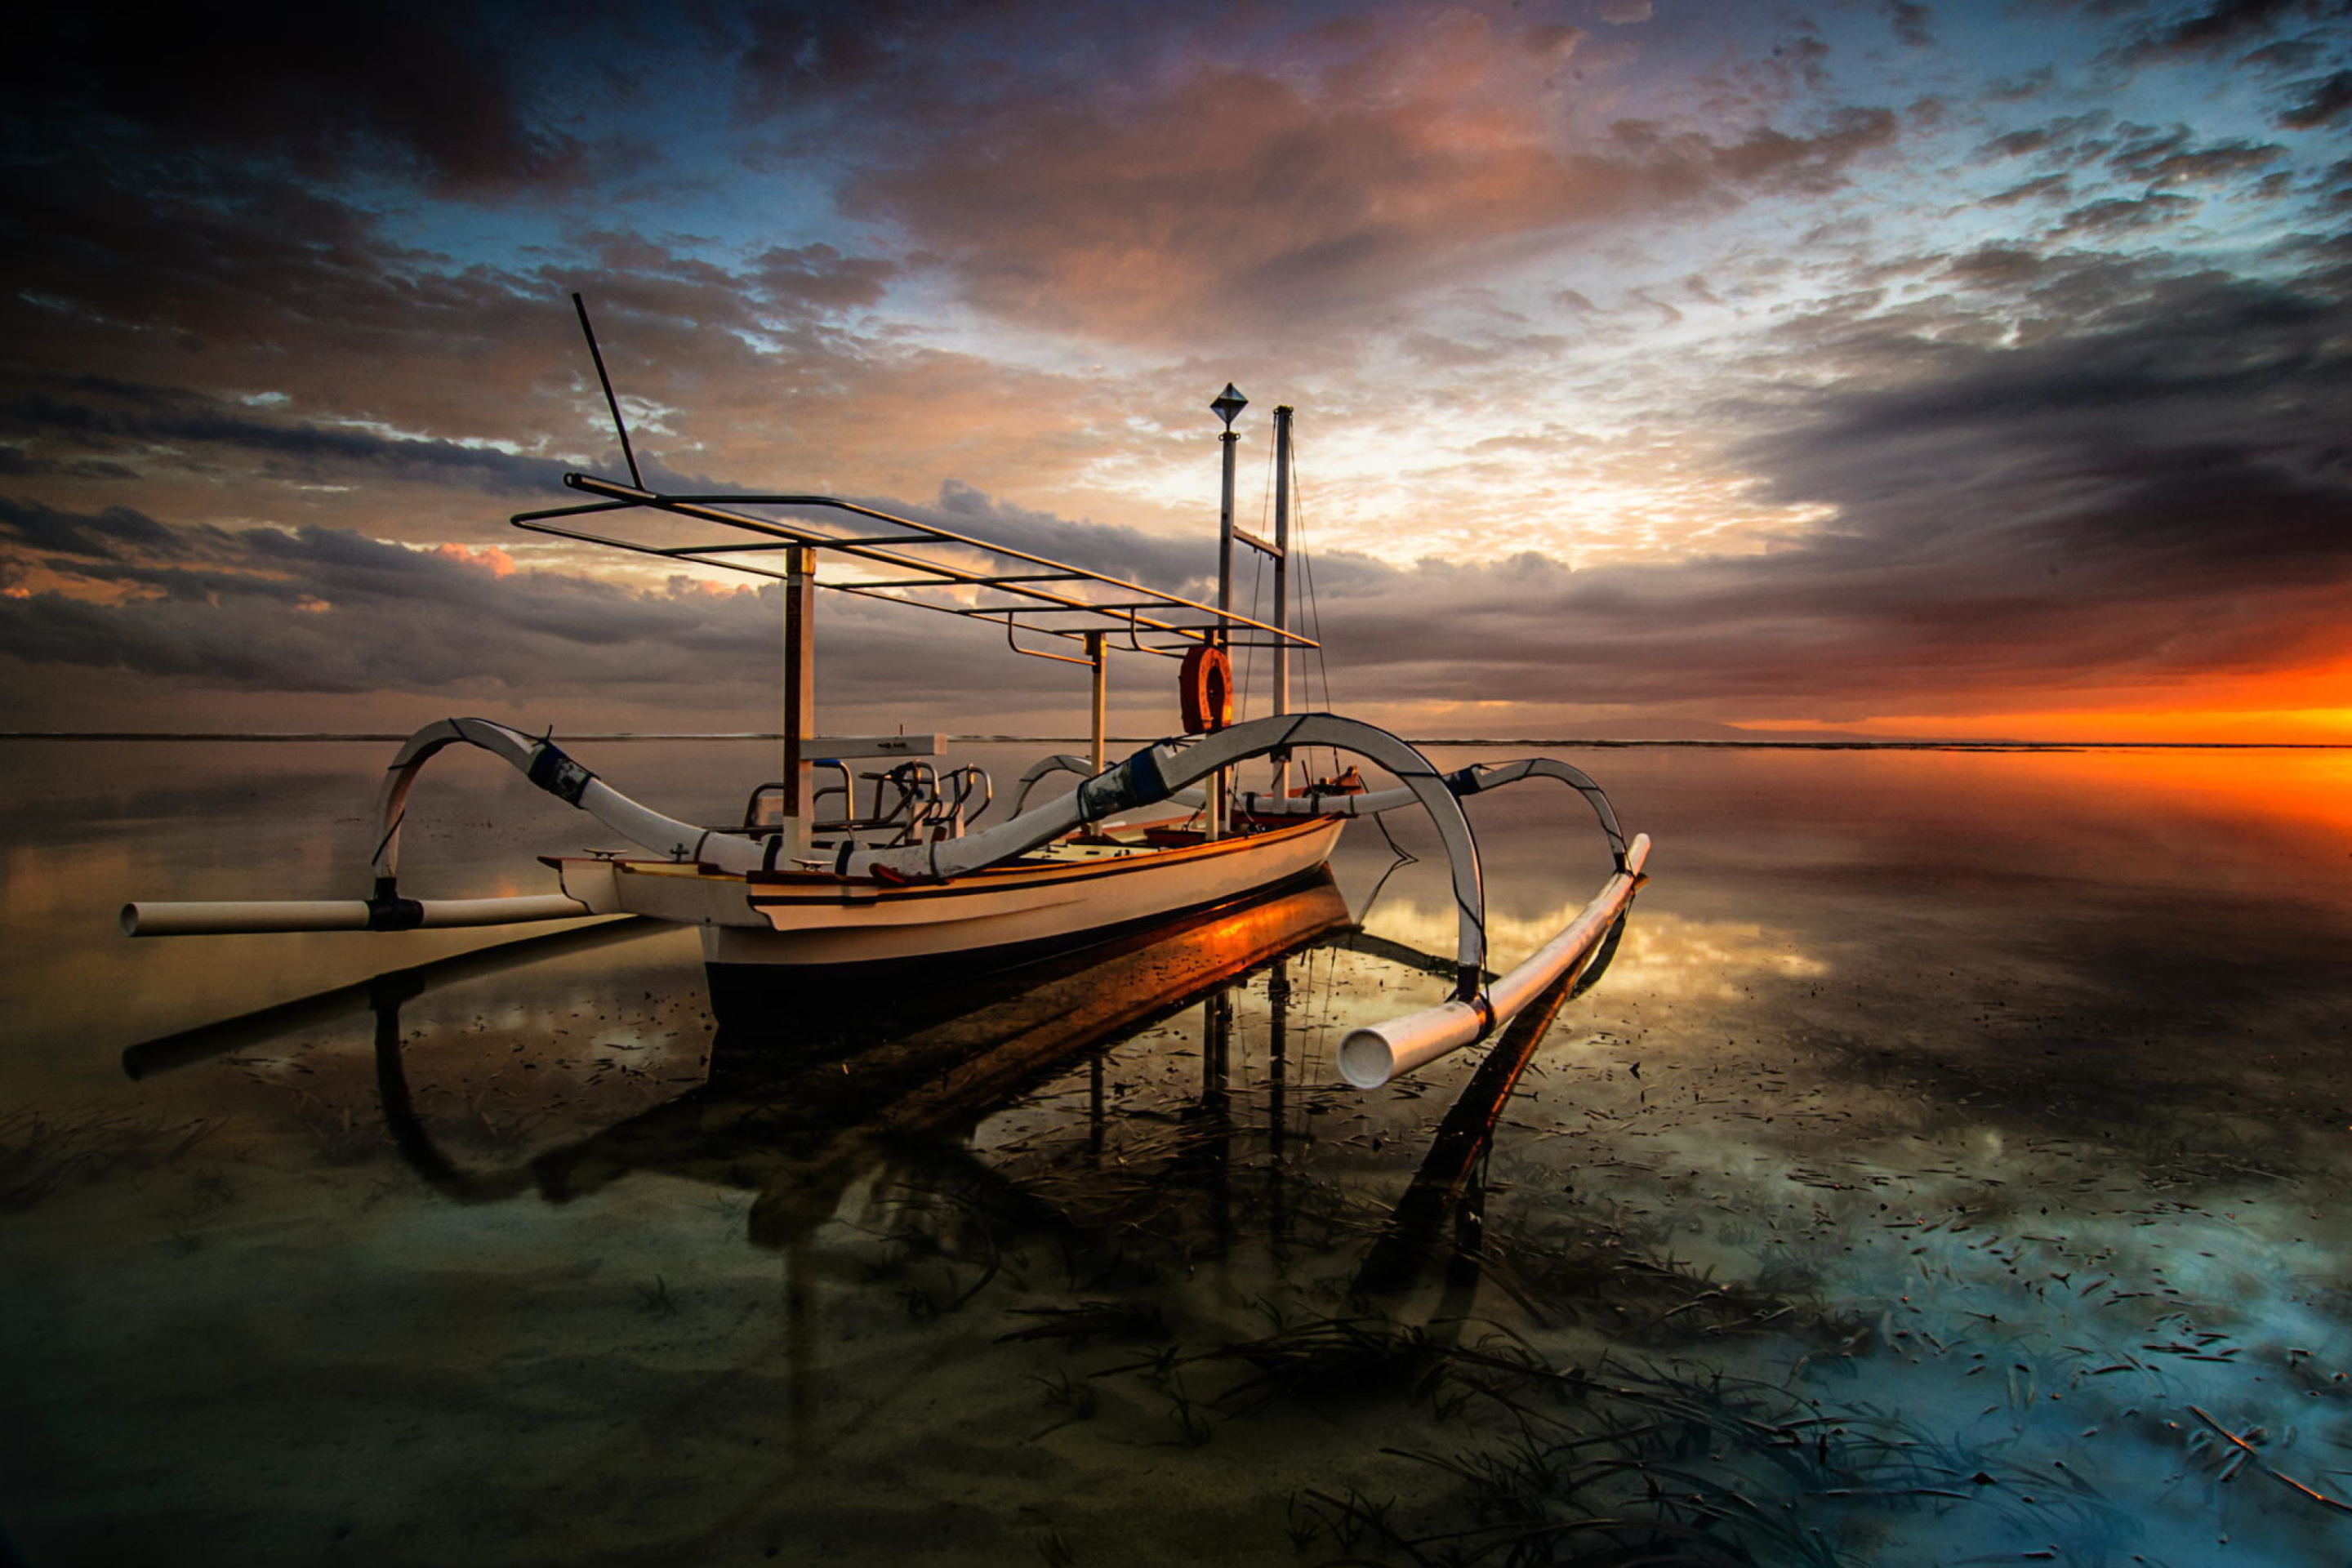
x,y
1133,782
557,774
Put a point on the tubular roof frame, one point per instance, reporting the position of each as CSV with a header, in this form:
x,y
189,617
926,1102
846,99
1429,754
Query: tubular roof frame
x,y
1187,620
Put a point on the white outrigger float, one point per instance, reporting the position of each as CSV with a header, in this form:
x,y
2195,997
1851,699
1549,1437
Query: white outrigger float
x,y
794,888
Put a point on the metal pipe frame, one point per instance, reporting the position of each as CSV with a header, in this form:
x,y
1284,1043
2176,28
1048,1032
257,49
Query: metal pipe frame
x,y
780,535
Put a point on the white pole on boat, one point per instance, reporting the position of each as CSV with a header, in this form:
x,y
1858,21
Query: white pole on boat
x,y
1281,585
1226,405
1370,1056
253,916
800,694
1102,703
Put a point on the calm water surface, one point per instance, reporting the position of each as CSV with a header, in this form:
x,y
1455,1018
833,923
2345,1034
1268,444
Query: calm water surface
x,y
1950,1165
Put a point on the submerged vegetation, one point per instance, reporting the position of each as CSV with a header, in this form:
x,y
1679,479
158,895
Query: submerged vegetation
x,y
41,1152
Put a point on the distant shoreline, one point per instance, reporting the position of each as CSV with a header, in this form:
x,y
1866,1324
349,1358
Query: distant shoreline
x,y
1566,744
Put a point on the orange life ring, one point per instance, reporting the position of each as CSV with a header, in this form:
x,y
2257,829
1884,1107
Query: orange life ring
x,y
1205,690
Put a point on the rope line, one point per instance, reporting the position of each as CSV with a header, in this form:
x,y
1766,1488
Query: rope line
x,y
1311,606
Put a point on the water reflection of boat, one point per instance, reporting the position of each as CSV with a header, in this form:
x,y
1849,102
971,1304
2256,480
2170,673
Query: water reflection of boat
x,y
897,867
797,1108
965,1122
800,1104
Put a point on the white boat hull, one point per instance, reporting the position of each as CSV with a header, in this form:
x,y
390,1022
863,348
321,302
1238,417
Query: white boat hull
x,y
805,918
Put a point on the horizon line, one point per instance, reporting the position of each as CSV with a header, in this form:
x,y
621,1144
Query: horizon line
x,y
1589,743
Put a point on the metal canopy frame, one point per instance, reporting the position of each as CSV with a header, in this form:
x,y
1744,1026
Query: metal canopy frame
x,y
1138,614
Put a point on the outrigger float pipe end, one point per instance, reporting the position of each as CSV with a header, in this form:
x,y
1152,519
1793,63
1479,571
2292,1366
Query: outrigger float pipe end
x,y
255,916
1370,1056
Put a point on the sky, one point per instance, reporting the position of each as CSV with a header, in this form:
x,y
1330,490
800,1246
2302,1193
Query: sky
x,y
1662,367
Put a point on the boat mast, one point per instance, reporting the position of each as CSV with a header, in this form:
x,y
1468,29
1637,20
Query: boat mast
x,y
1099,707
1281,586
1226,404
800,695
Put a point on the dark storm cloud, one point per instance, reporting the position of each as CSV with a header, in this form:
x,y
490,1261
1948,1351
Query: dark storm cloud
x,y
2327,100
15,463
1999,265
2271,37
2227,26
2172,158
328,610
2285,55
431,90
114,416
820,276
2055,187
1173,566
2068,142
788,50
1913,23
2018,143
103,536
2121,214
248,322
333,611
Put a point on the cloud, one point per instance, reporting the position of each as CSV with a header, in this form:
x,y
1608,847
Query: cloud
x,y
221,308
2227,26
1227,199
2173,159
104,536
246,323
2155,497
2121,214
107,416
386,618
2056,187
2329,99
1913,23
435,92
2000,265
211,605
820,277
788,51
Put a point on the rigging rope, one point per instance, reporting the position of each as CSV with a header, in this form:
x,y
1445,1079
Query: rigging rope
x,y
1310,610
1249,650
1257,585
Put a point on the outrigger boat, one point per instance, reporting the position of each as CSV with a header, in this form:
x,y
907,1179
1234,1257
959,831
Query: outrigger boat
x,y
806,885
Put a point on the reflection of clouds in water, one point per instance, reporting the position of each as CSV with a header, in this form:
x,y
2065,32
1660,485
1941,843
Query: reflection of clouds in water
x,y
1666,955
2043,1310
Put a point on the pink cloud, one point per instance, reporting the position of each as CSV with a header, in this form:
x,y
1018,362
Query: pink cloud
x,y
1259,197
489,558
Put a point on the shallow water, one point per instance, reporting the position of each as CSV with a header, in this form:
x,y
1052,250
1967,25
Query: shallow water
x,y
1950,1164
